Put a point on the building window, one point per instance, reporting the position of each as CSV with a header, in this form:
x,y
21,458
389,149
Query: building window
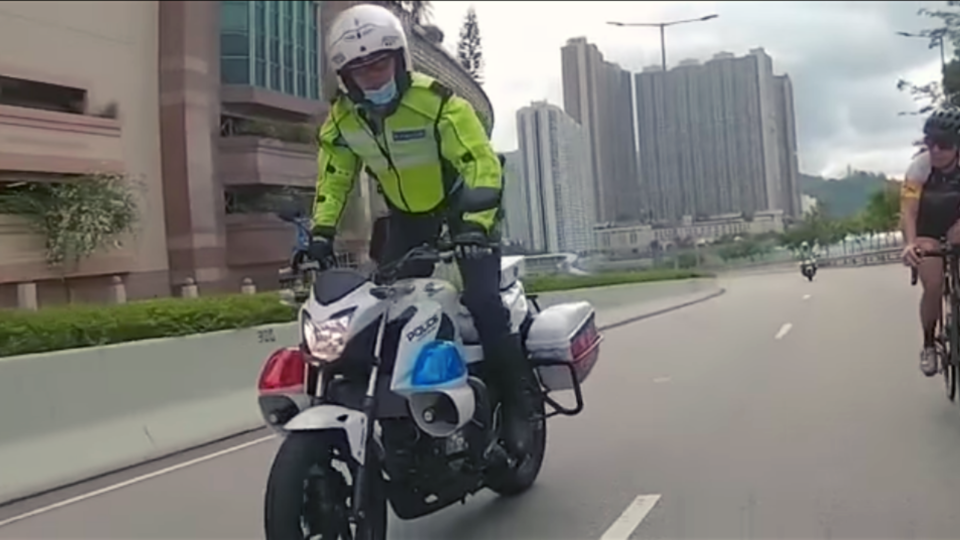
x,y
37,95
272,45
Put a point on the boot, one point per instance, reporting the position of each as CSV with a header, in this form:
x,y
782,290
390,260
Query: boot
x,y
519,392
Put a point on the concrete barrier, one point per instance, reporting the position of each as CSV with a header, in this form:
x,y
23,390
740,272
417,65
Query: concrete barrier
x,y
71,415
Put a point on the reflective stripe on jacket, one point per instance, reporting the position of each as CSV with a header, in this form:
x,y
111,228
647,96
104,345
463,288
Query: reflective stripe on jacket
x,y
413,167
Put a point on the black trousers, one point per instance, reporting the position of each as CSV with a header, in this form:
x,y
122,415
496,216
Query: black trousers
x,y
481,275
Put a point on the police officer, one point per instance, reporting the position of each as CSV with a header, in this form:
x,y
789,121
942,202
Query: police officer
x,y
417,139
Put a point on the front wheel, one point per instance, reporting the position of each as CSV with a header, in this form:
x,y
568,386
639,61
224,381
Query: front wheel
x,y
307,497
514,480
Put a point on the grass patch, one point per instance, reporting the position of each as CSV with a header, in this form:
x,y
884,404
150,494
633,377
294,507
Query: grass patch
x,y
540,284
91,325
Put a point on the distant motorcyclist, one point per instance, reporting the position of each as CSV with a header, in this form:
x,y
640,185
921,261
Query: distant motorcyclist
x,y
417,139
808,261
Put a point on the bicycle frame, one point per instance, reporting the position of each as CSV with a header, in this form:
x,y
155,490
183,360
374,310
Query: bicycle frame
x,y
950,254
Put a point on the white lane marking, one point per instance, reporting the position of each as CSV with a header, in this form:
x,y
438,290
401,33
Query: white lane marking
x,y
659,380
137,480
631,518
784,330
806,297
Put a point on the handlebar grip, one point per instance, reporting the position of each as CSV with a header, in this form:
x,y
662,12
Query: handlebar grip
x,y
913,276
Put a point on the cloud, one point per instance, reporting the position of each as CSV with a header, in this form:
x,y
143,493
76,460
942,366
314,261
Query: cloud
x,y
843,58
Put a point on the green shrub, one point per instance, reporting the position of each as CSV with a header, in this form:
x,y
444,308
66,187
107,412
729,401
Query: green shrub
x,y
92,325
536,284
76,326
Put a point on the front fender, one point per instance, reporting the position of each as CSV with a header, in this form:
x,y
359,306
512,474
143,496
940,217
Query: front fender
x,y
332,417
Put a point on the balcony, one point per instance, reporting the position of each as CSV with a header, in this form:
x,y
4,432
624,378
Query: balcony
x,y
22,257
252,160
255,239
256,100
38,141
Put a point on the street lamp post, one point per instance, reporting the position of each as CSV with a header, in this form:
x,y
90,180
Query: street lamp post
x,y
936,35
662,26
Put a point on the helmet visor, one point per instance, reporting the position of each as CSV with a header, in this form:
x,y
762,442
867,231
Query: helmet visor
x,y
366,61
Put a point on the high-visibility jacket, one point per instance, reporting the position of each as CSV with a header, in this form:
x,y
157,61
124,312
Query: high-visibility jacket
x,y
415,155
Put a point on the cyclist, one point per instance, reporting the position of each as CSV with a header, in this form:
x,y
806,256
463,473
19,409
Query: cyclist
x,y
930,210
418,139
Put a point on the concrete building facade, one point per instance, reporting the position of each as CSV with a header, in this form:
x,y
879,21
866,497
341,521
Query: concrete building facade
x,y
516,221
717,138
211,106
637,239
597,95
556,168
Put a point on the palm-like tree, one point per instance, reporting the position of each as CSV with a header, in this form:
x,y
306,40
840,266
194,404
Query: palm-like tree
x,y
418,11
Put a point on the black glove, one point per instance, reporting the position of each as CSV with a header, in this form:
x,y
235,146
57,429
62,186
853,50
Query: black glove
x,y
321,248
471,244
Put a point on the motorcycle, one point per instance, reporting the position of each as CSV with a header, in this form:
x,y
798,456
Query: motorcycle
x,y
386,399
808,269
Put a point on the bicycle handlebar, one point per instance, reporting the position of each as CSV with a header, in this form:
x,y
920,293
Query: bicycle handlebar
x,y
942,252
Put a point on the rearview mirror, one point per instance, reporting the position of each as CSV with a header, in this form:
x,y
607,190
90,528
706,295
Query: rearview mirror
x,y
478,199
290,214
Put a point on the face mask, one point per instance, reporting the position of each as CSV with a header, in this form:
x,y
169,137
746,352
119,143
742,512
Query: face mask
x,y
383,95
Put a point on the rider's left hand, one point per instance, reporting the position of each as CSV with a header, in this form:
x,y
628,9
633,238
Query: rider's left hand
x,y
472,244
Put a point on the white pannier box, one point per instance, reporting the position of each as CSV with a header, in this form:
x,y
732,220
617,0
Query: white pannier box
x,y
567,333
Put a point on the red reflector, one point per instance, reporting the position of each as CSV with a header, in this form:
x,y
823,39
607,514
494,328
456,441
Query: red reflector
x,y
284,371
585,339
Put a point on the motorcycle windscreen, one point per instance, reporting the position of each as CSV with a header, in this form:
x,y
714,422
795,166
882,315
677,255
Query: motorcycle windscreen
x,y
334,284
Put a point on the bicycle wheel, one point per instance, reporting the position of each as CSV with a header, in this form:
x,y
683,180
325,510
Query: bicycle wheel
x,y
948,357
953,334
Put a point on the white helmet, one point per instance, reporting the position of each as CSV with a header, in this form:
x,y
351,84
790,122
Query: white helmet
x,y
362,34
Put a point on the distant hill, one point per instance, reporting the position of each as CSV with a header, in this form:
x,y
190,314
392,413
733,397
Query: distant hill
x,y
844,197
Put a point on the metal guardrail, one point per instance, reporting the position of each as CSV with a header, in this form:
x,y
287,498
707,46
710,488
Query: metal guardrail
x,y
870,258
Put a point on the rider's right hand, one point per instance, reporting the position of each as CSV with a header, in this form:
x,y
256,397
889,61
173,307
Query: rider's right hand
x,y
321,248
911,255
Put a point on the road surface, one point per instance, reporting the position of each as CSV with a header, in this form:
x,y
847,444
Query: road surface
x,y
782,409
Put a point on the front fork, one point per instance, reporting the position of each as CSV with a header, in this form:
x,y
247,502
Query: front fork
x,y
369,412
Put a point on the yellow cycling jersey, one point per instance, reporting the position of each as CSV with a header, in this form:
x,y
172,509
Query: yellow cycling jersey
x,y
910,190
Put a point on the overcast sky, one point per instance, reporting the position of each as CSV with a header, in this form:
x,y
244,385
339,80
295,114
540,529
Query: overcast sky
x,y
843,57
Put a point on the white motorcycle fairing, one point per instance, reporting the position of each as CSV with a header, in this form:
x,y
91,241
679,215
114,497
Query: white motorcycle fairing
x,y
334,417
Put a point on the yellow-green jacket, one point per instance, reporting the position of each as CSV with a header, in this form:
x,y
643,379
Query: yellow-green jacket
x,y
414,168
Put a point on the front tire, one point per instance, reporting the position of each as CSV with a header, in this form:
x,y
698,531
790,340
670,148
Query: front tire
x,y
307,497
510,481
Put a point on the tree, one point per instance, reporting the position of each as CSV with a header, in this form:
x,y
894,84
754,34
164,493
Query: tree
x,y
417,11
930,95
469,50
76,217
946,90
882,213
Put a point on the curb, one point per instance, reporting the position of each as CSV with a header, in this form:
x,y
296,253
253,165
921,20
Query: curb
x,y
661,311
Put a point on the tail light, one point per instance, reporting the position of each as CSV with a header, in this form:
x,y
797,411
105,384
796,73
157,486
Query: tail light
x,y
284,372
585,341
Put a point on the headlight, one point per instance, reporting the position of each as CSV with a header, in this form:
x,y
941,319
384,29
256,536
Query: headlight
x,y
325,341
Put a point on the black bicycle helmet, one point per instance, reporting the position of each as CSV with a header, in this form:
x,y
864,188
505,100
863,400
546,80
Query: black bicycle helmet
x,y
945,121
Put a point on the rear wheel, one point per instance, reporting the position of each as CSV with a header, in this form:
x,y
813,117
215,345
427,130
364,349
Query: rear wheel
x,y
951,355
309,496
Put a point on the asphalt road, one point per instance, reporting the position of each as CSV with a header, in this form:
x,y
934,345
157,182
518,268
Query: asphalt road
x,y
782,409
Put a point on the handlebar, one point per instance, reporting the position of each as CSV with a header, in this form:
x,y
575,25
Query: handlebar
x,y
443,251
943,251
